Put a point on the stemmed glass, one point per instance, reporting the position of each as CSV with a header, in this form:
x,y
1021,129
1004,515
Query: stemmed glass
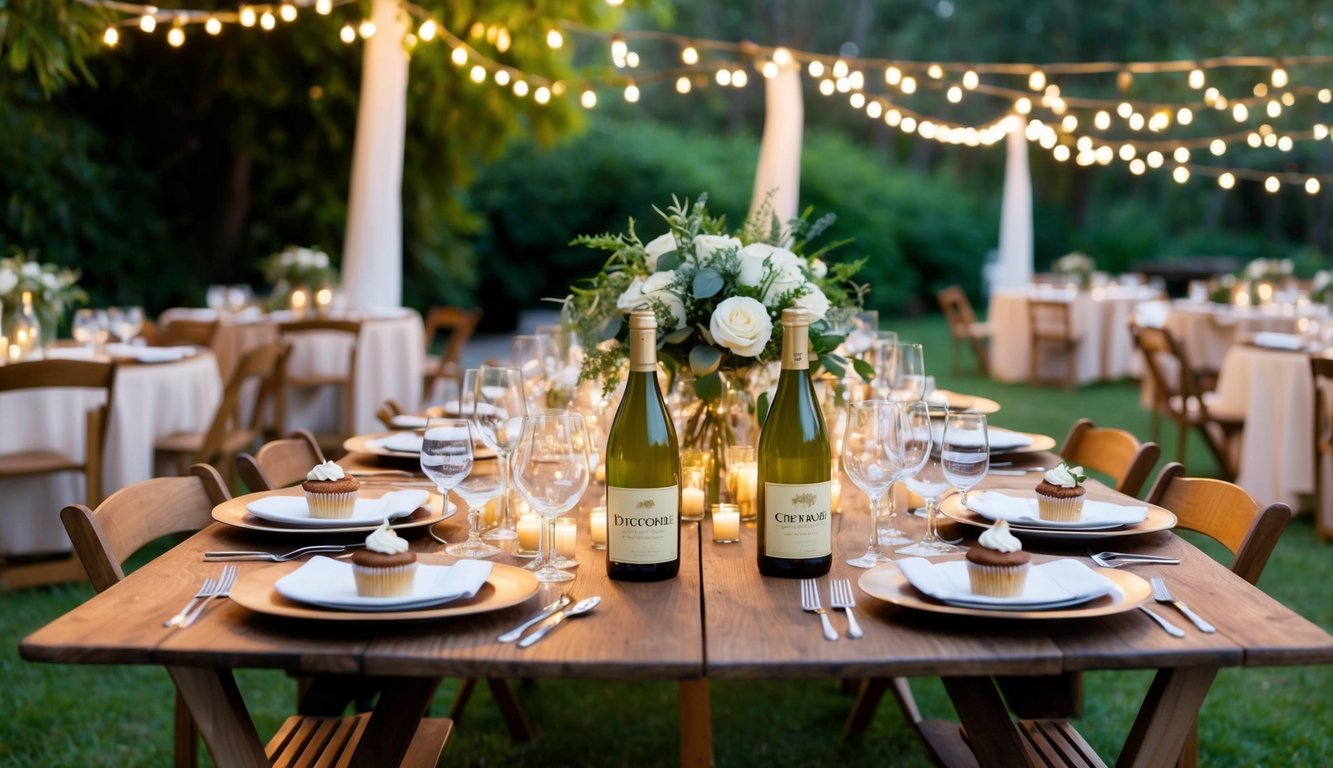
x,y
125,322
239,297
909,373
929,481
498,408
529,354
477,489
89,327
907,455
870,464
965,451
446,454
551,473
883,354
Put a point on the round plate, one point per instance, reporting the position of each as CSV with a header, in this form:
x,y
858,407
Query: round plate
x,y
1158,519
1039,444
367,444
507,586
957,401
234,513
888,583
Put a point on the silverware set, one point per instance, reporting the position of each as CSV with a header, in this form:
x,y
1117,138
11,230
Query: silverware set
x,y
219,587
1121,559
840,598
548,618
275,558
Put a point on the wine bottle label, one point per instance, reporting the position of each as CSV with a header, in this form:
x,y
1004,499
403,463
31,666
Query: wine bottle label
x,y
797,520
642,524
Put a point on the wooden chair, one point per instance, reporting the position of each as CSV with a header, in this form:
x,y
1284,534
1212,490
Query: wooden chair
x,y
58,374
388,411
228,434
1051,328
963,327
1321,368
343,377
134,516
1113,452
280,463
461,324
1183,399
181,332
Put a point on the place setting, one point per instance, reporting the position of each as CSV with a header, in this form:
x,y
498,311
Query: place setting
x,y
294,510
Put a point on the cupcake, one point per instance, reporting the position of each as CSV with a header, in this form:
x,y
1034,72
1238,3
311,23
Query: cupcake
x,y
997,566
1060,494
384,568
329,492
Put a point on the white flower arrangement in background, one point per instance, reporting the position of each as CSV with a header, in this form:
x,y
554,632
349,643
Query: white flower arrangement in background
x,y
1268,269
295,266
53,287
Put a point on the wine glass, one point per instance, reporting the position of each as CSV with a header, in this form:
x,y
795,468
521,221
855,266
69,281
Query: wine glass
x,y
907,456
551,474
238,297
529,354
929,481
870,465
89,327
883,354
498,408
125,322
446,453
216,298
477,489
909,373
965,451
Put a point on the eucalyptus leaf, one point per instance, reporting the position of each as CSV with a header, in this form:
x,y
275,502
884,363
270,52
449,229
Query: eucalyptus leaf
x,y
668,261
707,283
864,369
761,407
678,335
708,387
834,365
704,360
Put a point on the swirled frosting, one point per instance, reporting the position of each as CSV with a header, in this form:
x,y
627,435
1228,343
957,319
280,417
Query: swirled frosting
x,y
998,538
326,471
1064,475
385,541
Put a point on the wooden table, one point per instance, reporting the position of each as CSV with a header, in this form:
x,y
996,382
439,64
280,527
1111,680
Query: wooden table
x,y
752,628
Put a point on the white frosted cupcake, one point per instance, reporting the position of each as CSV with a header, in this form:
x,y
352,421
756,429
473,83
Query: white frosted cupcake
x,y
997,566
1060,494
384,568
329,492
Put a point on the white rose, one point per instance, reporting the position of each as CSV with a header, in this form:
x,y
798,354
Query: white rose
x,y
819,269
658,281
742,325
632,297
756,257
787,278
50,281
707,246
32,269
813,301
656,288
659,247
8,281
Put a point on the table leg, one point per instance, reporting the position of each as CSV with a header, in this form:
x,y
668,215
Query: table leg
x,y
993,736
219,711
1169,711
696,724
397,715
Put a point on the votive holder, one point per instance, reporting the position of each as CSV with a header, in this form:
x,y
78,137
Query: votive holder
x,y
693,496
726,523
597,527
566,542
529,540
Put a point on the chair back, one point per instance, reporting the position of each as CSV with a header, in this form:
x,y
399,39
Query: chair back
x,y
461,323
263,366
1113,452
181,332
1224,512
957,311
72,374
1051,320
280,463
1321,368
1161,351
105,537
342,374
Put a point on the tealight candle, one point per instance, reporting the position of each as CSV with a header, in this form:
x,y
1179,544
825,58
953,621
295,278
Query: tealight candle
x,y
597,526
491,512
566,536
692,504
835,493
746,476
600,473
299,301
4,349
323,298
726,523
529,533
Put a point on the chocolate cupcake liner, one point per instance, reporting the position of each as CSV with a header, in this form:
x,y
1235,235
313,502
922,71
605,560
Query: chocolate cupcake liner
x,y
1060,510
330,506
997,580
393,581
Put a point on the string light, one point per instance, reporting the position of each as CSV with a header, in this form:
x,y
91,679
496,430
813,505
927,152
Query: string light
x,y
1196,79
248,17
1226,180
148,22
176,37
347,34
287,12
267,21
111,37
521,88
543,94
683,85
971,80
323,7
1272,185
366,29
554,39
213,26
588,99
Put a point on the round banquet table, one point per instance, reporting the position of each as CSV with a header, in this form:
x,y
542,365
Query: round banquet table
x,y
1206,331
150,400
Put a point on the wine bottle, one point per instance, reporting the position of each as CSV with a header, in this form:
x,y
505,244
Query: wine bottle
x,y
642,470
795,504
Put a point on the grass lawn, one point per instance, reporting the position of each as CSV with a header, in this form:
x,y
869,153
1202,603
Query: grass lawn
x,y
55,715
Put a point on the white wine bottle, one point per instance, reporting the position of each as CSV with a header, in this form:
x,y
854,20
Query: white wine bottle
x,y
642,470
795,504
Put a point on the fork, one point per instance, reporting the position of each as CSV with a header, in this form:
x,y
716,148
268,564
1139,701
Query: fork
x,y
840,596
810,602
1120,560
295,553
209,586
1162,594
225,582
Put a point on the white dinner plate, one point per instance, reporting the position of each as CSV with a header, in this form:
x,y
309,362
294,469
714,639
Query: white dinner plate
x,y
401,445
293,510
1054,584
330,583
999,439
1019,508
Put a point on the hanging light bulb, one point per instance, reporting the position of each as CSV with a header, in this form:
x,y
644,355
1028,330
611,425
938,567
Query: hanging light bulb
x,y
1155,159
588,99
268,21
176,37
1312,186
840,68
1279,77
1274,108
893,75
935,72
1284,144
1137,166
1196,79
1023,105
1069,124
554,39
1124,109
1240,112
909,85
458,56
1127,152
1181,174
347,34
1184,116
723,77
111,37
287,12
248,16
1272,185
1181,155
213,26
781,57
1102,120
769,70
683,85
1227,180
323,7
1036,80
502,77
1218,147
147,22
1060,153
739,78
543,94
954,94
520,88
477,74
632,93
971,80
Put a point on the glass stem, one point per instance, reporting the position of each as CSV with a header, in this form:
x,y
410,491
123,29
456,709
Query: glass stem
x,y
474,523
893,503
873,549
931,535
505,519
550,542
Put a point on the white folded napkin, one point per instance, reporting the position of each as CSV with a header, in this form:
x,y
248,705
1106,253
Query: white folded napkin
x,y
149,354
403,442
330,583
1274,340
293,510
999,439
70,353
1048,585
1022,511
408,421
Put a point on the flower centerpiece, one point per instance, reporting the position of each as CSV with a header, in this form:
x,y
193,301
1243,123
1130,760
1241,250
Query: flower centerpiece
x,y
53,287
1321,287
1075,267
718,296
296,269
1258,282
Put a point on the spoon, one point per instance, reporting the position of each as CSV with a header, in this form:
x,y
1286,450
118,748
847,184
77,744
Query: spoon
x,y
577,609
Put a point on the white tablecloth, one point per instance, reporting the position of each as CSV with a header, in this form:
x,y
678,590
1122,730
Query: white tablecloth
x,y
1207,331
1100,320
150,401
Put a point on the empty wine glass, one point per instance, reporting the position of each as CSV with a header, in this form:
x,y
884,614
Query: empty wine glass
x,y
929,482
870,465
89,327
883,355
446,453
965,451
239,296
125,322
498,407
907,455
551,474
216,298
477,489
529,353
909,373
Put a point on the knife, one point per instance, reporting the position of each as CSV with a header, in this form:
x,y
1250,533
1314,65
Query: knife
x,y
544,613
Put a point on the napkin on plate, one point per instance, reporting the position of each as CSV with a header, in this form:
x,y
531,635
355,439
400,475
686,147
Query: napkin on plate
x,y
1051,584
998,438
403,442
1022,511
1273,340
293,510
329,583
149,354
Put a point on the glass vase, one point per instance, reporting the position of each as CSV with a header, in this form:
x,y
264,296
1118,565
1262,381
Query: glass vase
x,y
704,429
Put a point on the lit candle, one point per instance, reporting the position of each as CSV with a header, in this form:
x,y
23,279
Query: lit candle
x,y
597,525
491,513
692,504
566,536
747,487
299,300
726,523
529,532
323,298
4,349
835,493
600,473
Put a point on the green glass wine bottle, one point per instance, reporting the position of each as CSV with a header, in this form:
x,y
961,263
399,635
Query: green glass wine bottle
x,y
795,506
642,470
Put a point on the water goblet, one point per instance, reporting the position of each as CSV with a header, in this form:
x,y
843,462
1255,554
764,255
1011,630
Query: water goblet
x,y
89,327
870,465
216,298
238,297
929,481
906,456
883,356
909,373
965,450
446,454
551,474
125,322
477,489
498,408
529,354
